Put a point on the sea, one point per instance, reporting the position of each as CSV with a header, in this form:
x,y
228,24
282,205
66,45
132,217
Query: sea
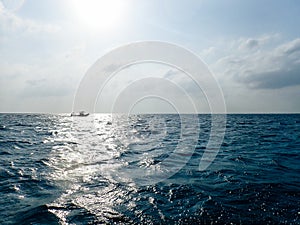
x,y
117,169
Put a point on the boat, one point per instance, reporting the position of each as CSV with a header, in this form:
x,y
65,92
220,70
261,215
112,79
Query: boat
x,y
81,113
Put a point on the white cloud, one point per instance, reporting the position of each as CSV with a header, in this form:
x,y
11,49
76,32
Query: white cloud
x,y
43,85
260,67
252,43
10,23
11,5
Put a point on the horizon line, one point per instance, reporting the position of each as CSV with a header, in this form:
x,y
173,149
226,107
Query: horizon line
x,y
155,113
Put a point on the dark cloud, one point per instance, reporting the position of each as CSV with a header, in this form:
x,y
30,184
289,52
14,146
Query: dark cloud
x,y
112,68
274,79
292,47
251,43
171,73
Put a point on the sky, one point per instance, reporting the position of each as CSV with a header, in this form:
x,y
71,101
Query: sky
x,y
252,48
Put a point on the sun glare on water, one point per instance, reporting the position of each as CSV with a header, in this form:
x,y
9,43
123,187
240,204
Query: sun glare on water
x,y
99,15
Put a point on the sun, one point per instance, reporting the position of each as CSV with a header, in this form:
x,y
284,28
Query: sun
x,y
98,15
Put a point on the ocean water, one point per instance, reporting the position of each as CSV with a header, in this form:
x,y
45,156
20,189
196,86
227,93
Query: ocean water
x,y
56,169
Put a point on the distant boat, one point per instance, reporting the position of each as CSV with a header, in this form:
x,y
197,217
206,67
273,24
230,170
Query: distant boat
x,y
81,113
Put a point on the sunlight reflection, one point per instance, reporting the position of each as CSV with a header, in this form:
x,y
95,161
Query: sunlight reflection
x,y
87,152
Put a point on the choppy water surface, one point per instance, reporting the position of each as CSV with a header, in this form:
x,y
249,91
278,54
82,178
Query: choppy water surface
x,y
55,169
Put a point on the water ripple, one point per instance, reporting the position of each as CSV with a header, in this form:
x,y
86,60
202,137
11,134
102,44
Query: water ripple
x,y
55,169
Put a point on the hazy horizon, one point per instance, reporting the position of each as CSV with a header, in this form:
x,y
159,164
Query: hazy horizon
x,y
251,47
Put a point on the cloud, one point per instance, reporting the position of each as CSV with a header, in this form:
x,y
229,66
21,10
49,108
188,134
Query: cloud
x,y
44,88
40,85
291,48
112,67
171,74
250,44
182,80
32,81
274,79
255,43
264,67
10,23
11,5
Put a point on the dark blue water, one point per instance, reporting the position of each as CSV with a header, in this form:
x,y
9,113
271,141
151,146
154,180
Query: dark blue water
x,y
55,169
